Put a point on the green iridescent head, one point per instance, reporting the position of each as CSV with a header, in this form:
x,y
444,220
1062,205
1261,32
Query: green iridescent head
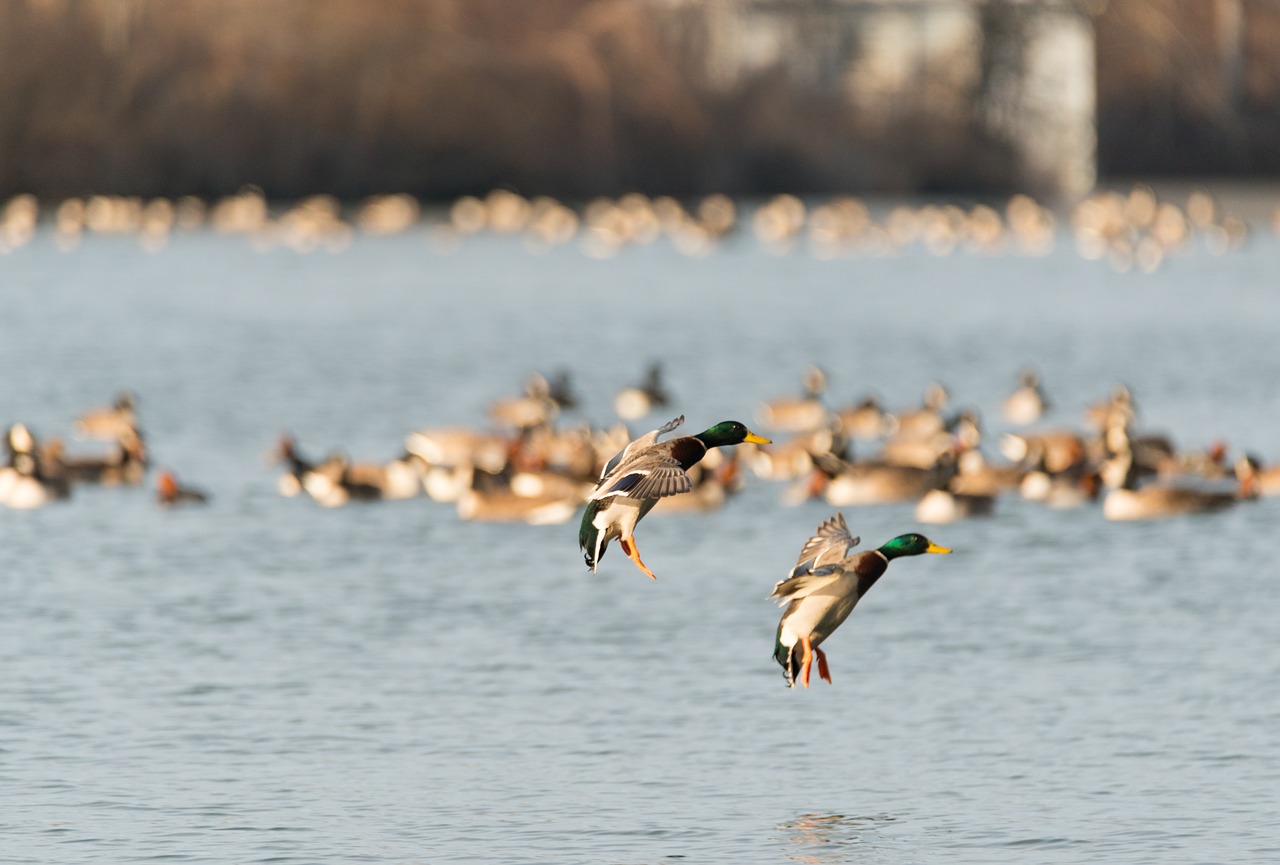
x,y
911,544
729,432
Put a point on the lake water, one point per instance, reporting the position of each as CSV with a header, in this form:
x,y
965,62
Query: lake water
x,y
267,681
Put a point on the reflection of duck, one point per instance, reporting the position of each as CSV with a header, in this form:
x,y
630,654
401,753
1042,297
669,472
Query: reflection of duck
x,y
1027,403
798,414
831,836
645,471
824,587
633,403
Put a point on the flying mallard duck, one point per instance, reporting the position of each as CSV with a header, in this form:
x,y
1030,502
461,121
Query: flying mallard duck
x,y
645,471
824,587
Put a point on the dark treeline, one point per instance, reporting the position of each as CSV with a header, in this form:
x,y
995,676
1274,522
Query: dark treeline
x,y
569,97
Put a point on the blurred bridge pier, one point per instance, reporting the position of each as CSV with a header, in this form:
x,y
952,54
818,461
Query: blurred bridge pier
x,y
909,94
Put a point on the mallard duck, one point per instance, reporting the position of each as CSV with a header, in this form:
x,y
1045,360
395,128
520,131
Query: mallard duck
x,y
633,403
824,587
1027,402
170,493
643,472
798,414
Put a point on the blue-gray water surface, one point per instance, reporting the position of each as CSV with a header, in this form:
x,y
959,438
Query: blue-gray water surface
x,y
263,680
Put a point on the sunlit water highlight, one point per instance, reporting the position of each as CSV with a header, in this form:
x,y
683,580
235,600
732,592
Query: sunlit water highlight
x,y
263,680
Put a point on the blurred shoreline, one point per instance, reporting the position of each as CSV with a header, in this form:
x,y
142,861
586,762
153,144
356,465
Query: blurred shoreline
x,y
578,98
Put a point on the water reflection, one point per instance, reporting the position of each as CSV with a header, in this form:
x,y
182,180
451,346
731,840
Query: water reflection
x,y
823,839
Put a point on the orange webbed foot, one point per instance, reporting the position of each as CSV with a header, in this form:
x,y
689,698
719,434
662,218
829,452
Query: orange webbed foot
x,y
633,552
823,670
806,663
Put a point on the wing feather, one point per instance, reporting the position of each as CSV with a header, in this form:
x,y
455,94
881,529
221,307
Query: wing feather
x,y
803,585
635,448
829,546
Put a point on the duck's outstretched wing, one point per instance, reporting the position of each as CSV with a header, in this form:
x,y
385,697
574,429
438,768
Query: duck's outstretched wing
x,y
802,585
634,448
649,476
829,546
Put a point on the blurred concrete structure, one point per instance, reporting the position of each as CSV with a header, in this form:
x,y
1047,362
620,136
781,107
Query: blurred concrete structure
x,y
585,97
1016,77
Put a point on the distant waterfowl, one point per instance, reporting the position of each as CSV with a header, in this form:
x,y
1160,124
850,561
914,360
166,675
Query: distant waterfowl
x,y
399,478
125,463
824,587
927,420
112,422
458,447
873,482
534,408
1131,501
944,505
1053,451
976,476
865,419
798,414
525,498
170,493
24,484
1117,410
715,479
1027,403
793,458
332,485
296,466
1257,479
643,472
633,403
1073,488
